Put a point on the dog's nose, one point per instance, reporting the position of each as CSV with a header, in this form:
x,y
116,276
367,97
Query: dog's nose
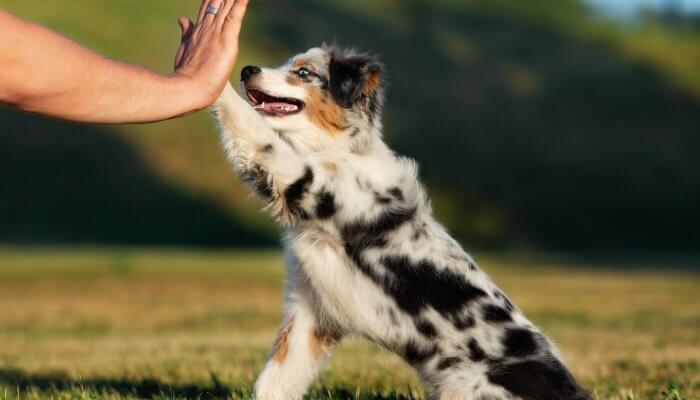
x,y
249,71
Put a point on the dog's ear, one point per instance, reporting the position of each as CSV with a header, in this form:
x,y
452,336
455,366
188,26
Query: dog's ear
x,y
353,77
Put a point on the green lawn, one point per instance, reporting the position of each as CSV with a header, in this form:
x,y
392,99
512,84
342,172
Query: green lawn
x,y
129,323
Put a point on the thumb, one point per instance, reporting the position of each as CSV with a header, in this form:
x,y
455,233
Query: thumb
x,y
187,27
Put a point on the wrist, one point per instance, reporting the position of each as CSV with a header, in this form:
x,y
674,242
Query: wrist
x,y
186,91
197,95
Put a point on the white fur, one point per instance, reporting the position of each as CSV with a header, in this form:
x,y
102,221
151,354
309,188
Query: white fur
x,y
326,289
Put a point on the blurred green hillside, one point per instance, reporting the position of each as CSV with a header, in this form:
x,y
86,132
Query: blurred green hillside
x,y
536,126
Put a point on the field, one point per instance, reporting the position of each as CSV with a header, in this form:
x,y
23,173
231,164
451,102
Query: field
x,y
131,323
535,125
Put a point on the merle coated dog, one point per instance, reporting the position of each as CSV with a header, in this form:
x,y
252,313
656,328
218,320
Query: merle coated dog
x,y
365,254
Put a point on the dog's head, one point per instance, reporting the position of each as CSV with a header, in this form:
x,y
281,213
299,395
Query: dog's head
x,y
320,98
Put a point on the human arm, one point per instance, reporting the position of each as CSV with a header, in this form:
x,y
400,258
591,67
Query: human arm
x,y
44,73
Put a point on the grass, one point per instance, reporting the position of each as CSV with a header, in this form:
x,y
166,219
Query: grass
x,y
171,324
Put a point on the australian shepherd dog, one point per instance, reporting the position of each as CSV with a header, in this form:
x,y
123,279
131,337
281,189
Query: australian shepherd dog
x,y
365,256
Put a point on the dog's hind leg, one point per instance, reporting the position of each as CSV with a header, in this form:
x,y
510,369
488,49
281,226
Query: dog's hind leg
x,y
299,351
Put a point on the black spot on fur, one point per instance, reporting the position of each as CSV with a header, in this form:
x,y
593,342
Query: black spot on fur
x,y
418,285
392,316
257,179
413,285
285,139
419,233
359,183
545,379
361,235
324,82
476,353
355,132
472,266
462,322
426,328
381,199
296,191
448,362
506,301
268,148
346,80
519,342
493,313
396,193
348,75
509,304
416,355
325,205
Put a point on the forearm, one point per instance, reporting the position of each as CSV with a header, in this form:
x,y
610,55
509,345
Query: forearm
x,y
47,74
105,91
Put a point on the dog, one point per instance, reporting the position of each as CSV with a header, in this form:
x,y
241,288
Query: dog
x,y
365,256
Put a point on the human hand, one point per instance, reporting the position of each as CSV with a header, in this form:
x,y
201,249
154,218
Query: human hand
x,y
209,48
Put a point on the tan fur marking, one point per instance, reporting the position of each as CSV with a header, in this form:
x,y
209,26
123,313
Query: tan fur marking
x,y
281,346
298,63
372,83
293,81
331,167
327,115
321,339
448,395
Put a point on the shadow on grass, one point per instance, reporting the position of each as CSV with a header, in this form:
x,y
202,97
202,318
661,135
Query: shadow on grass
x,y
49,383
144,388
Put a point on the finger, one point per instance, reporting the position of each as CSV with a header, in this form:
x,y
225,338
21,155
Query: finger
x,y
234,19
209,17
202,10
223,13
187,27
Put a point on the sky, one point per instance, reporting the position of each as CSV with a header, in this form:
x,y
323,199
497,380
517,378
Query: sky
x,y
630,8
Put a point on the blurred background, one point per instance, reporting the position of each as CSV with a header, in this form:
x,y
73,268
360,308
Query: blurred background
x,y
560,138
555,125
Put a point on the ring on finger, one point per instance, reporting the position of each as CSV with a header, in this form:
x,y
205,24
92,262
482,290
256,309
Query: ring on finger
x,y
212,10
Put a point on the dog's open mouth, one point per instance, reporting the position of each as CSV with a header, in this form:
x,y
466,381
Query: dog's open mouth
x,y
279,106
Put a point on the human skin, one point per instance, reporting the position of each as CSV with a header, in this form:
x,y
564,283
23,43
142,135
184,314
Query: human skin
x,y
45,73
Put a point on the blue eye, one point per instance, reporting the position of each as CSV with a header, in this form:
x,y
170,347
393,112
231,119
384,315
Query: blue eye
x,y
303,72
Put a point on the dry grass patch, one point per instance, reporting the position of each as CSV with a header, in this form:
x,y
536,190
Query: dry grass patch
x,y
134,323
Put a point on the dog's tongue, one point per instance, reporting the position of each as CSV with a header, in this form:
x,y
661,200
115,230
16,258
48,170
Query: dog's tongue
x,y
276,108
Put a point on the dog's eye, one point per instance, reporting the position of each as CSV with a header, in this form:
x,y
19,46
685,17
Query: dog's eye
x,y
303,72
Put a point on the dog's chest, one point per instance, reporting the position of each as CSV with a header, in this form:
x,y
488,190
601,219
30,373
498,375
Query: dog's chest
x,y
339,289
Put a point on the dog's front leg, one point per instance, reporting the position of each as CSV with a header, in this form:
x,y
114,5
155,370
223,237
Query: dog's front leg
x,y
250,143
268,163
299,351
